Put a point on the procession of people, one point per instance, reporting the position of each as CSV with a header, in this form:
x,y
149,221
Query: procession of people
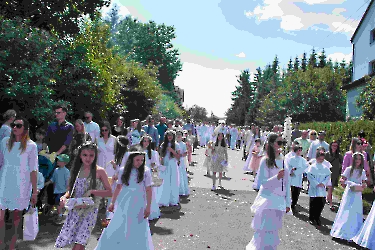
x,y
138,171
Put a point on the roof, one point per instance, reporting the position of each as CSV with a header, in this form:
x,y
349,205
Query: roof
x,y
363,18
356,83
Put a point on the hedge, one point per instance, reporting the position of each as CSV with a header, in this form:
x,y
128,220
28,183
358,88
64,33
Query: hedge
x,y
343,131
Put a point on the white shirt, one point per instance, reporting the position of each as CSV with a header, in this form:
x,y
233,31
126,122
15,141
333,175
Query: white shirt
x,y
93,129
314,145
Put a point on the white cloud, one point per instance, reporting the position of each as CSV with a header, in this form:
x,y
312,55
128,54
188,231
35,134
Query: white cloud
x,y
290,22
208,87
338,56
241,55
123,11
293,18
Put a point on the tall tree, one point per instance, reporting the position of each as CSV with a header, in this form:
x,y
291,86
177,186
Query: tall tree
x,y
296,64
304,62
322,59
312,59
61,16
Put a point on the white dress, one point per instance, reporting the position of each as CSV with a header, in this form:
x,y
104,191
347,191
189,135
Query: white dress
x,y
366,235
15,169
184,182
349,218
168,193
129,229
106,154
269,206
155,210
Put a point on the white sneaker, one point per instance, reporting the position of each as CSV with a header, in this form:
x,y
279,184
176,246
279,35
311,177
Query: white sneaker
x,y
213,188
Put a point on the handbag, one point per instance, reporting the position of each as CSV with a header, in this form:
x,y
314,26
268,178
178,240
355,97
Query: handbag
x,y
82,202
30,224
224,163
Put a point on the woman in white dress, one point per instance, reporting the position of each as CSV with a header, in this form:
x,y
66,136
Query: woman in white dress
x,y
152,162
106,148
349,218
273,199
18,165
168,192
366,236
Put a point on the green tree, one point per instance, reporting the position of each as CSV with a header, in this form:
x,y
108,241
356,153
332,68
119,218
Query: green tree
x,y
197,113
61,16
304,62
366,100
312,59
322,59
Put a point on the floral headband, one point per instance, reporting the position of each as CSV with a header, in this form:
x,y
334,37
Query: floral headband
x,y
137,153
120,143
87,144
358,153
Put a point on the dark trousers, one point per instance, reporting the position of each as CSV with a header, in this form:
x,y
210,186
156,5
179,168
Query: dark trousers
x,y
295,195
316,207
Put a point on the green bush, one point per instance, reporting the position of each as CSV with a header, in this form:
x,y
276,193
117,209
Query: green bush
x,y
343,131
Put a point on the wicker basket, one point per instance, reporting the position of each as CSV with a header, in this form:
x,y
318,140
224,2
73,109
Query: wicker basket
x,y
155,178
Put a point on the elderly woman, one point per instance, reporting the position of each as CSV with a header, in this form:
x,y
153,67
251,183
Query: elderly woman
x,y
18,175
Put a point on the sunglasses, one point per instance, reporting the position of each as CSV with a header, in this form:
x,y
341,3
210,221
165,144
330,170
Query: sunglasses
x,y
313,134
57,113
17,125
280,143
104,130
87,117
359,143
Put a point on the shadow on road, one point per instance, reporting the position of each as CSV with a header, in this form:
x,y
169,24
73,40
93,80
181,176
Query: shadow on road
x,y
225,192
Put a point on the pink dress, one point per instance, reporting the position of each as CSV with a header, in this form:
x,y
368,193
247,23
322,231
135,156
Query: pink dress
x,y
255,160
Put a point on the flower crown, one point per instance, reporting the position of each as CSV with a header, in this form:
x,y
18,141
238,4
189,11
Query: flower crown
x,y
147,136
358,153
137,152
170,131
120,143
87,144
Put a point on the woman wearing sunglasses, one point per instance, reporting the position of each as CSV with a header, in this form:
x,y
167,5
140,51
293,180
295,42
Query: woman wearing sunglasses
x,y
106,148
356,146
18,165
273,199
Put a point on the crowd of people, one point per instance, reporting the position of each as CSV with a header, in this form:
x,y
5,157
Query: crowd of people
x,y
140,169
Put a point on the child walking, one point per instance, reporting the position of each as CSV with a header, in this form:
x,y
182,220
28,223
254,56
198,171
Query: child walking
x,y
219,160
319,177
168,192
60,178
152,162
207,161
86,180
255,159
184,182
349,218
129,227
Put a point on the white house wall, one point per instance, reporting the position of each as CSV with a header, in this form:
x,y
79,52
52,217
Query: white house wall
x,y
351,102
364,52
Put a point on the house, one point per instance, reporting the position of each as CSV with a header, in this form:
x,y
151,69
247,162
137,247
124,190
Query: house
x,y
363,41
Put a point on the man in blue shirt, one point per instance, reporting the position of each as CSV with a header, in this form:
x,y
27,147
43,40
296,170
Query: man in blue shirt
x,y
161,127
189,126
152,131
59,133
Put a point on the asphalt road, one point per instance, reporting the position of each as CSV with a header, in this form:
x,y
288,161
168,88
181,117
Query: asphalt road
x,y
215,220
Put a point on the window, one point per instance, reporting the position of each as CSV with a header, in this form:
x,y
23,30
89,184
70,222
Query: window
x,y
372,67
372,36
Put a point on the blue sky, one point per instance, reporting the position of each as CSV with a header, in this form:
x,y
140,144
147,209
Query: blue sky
x,y
219,38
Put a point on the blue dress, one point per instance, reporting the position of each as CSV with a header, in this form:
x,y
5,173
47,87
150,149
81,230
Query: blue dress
x,y
349,218
128,228
184,182
366,235
168,192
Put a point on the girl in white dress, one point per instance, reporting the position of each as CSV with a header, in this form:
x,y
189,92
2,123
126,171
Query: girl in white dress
x,y
366,236
349,218
121,156
152,162
168,192
273,199
18,165
184,183
129,228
